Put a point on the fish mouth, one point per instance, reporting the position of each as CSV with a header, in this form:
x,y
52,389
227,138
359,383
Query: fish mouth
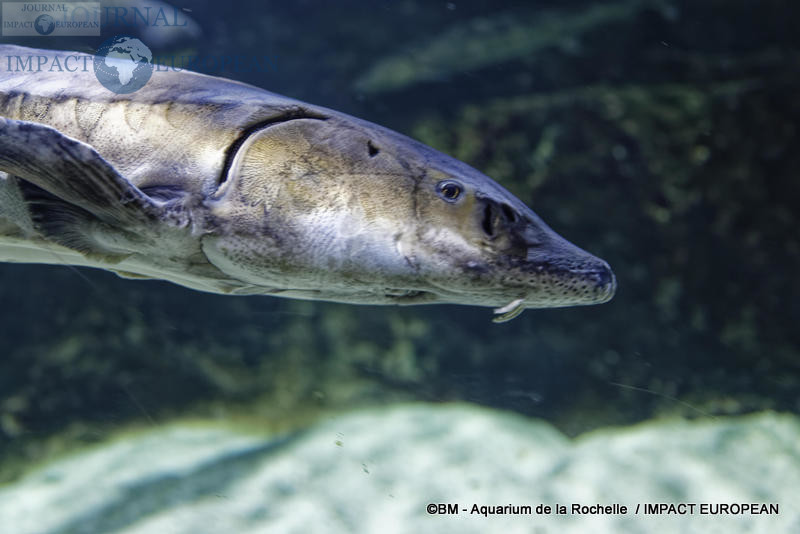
x,y
553,273
596,286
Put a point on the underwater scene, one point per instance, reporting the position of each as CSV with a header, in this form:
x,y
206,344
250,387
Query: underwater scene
x,y
401,266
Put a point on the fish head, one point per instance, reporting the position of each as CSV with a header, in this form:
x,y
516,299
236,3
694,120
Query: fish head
x,y
331,207
477,243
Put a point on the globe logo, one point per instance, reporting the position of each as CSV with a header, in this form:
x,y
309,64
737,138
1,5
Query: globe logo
x,y
44,24
123,64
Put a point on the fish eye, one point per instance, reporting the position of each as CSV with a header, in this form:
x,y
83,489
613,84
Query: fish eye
x,y
449,190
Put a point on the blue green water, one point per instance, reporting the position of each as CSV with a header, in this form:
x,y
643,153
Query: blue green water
x,y
658,135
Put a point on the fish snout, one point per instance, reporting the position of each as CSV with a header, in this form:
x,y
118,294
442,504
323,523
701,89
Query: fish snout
x,y
565,279
602,281
557,272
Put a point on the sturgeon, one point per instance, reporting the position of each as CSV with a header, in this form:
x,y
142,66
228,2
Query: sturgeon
x,y
223,187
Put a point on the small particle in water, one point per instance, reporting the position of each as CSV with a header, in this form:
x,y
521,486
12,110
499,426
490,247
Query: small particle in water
x,y
364,468
451,6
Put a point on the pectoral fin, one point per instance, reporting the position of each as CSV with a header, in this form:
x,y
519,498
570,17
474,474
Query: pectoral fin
x,y
72,171
75,197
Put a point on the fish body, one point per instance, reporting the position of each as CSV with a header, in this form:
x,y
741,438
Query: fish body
x,y
224,187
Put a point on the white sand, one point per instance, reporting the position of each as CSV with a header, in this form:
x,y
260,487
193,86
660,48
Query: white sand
x,y
377,470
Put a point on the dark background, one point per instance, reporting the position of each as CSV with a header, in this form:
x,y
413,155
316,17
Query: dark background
x,y
661,136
